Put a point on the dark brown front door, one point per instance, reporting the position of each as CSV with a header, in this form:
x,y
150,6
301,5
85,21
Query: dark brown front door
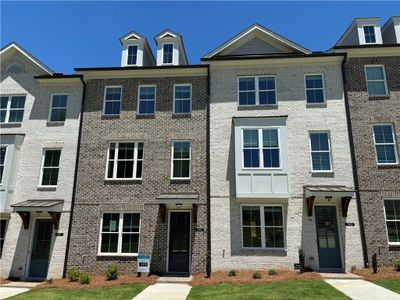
x,y
179,242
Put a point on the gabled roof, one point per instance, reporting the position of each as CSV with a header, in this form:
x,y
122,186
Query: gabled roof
x,y
168,33
352,25
131,36
254,28
14,46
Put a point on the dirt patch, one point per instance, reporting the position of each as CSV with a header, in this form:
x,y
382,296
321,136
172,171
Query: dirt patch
x,y
4,280
247,277
383,273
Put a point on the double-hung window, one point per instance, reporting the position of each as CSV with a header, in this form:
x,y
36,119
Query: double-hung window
x,y
257,90
147,99
369,34
132,55
181,156
392,212
385,144
112,100
168,53
3,153
314,88
50,167
320,152
263,227
376,81
120,234
182,99
12,109
125,160
261,148
58,108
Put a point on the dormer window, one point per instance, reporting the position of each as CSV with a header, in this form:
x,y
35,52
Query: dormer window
x,y
168,53
132,55
369,34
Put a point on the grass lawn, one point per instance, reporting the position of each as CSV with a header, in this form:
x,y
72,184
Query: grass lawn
x,y
390,284
299,289
122,292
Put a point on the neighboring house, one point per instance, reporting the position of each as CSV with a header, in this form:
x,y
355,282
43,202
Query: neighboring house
x,y
280,164
40,115
142,172
372,71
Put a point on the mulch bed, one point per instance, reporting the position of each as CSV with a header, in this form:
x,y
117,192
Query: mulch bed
x,y
247,277
4,280
383,273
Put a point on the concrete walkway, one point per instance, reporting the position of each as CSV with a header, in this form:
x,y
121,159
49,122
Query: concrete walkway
x,y
6,292
165,291
358,289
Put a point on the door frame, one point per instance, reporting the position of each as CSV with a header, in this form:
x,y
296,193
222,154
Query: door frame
x,y
190,237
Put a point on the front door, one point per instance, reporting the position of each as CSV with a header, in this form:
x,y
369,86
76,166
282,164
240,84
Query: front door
x,y
327,237
41,249
179,242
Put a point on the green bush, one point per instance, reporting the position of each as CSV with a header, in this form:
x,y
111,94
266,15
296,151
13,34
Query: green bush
x,y
112,272
257,275
84,278
272,272
397,264
73,274
232,273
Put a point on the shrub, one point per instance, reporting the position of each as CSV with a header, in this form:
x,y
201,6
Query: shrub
x,y
84,278
397,264
257,275
272,272
232,273
112,272
73,274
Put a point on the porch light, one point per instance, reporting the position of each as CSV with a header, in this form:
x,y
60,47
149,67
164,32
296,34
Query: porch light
x,y
329,198
178,205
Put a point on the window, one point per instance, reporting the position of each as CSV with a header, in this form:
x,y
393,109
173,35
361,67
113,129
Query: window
x,y
261,148
262,227
392,212
259,90
320,151
3,152
120,233
147,100
125,160
369,34
112,100
58,109
385,144
168,53
12,109
182,99
50,167
181,155
376,81
314,88
3,224
132,55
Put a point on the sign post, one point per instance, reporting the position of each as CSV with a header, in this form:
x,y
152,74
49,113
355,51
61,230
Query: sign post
x,y
143,264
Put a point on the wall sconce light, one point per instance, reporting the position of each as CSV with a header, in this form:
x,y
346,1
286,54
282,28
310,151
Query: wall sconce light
x,y
329,198
178,205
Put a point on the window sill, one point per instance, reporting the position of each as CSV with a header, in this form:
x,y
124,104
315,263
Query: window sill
x,y
258,107
394,246
47,188
116,255
265,251
316,105
10,125
145,116
182,116
122,181
55,124
323,174
389,166
383,97
180,180
105,117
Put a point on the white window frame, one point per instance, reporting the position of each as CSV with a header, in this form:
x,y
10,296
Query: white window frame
x,y
115,160
172,160
376,80
321,151
4,163
261,147
363,31
51,107
162,51
42,168
120,232
394,144
146,100
127,54
257,91
306,89
185,99
396,220
104,100
262,225
8,109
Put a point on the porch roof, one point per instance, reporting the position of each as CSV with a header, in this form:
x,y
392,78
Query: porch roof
x,y
38,205
328,191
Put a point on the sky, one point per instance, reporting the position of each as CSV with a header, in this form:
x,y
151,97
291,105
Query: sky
x,y
64,35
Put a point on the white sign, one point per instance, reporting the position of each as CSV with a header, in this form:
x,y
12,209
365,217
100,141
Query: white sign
x,y
143,264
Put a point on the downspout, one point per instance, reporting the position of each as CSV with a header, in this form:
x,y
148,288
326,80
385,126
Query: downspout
x,y
354,165
75,177
208,174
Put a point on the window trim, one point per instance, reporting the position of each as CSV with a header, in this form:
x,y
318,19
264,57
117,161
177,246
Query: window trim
x,y
387,231
363,31
127,54
330,151
323,88
384,80
155,99
119,247
162,50
172,160
42,166
4,164
257,91
51,108
8,108
104,100
191,99
262,226
394,144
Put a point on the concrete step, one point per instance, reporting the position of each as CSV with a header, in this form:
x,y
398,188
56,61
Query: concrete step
x,y
344,276
171,279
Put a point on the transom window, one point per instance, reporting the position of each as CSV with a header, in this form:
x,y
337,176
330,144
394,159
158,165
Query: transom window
x,y
12,109
392,211
168,53
385,144
147,99
50,167
182,99
263,227
376,80
125,160
369,34
58,109
320,151
120,233
314,88
257,90
3,153
112,100
181,156
261,148
132,55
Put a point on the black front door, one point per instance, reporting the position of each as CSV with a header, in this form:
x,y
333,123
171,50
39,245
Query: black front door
x,y
328,237
179,242
41,249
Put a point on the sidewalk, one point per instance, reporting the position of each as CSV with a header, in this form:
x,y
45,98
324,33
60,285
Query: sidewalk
x,y
165,291
6,292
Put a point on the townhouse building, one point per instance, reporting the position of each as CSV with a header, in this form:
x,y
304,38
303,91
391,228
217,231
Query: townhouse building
x,y
39,123
142,171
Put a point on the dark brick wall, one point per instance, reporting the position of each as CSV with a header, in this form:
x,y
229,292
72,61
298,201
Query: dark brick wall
x,y
95,195
376,183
